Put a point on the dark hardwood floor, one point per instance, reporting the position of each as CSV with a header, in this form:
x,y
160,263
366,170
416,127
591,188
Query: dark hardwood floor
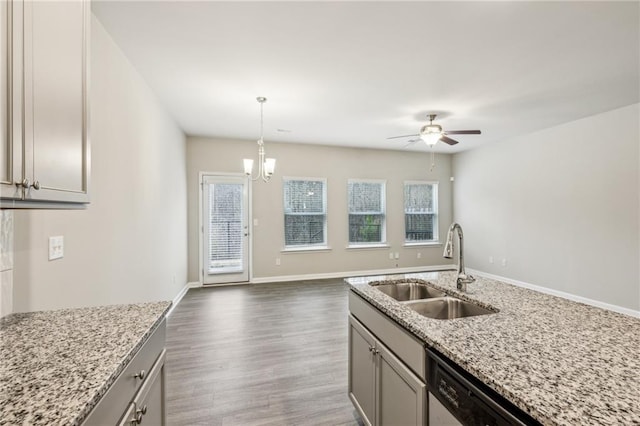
x,y
266,354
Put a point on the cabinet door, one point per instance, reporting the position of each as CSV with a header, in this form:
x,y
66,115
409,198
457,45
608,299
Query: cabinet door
x,y
402,398
56,148
10,99
150,401
439,415
362,370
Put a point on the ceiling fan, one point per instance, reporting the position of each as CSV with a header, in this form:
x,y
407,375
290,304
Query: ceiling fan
x,y
432,133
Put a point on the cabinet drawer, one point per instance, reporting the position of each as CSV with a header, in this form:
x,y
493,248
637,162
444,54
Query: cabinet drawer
x,y
148,405
129,416
405,346
110,408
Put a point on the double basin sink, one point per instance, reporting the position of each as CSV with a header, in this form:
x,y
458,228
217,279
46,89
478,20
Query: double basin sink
x,y
431,302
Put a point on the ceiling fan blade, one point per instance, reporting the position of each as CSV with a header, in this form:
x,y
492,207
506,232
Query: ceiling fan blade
x,y
462,132
448,140
411,142
404,136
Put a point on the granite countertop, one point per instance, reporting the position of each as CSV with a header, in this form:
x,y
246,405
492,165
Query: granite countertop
x,y
56,365
563,362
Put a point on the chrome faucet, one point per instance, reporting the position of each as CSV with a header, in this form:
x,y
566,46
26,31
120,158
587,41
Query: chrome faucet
x,y
463,278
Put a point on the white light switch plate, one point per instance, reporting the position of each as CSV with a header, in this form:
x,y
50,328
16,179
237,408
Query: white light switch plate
x,y
56,247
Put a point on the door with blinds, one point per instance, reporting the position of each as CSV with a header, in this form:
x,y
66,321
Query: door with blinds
x,y
225,217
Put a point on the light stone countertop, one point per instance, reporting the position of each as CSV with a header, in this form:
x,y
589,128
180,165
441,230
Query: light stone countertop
x,y
563,362
56,365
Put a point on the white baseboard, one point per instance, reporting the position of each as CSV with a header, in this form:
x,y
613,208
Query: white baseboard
x,y
181,294
345,274
558,293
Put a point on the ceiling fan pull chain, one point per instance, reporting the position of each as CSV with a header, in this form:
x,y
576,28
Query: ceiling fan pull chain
x,y
433,160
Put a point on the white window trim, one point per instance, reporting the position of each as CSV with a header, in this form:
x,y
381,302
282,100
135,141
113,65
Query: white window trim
x,y
303,249
361,246
422,244
436,239
308,247
377,244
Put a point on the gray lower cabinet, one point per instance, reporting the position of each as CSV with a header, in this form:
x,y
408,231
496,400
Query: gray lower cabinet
x,y
138,394
381,387
362,370
148,406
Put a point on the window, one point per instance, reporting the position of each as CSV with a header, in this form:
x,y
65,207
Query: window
x,y
420,212
305,212
366,212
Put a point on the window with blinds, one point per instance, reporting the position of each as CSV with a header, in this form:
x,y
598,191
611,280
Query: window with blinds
x,y
305,212
421,212
366,212
225,227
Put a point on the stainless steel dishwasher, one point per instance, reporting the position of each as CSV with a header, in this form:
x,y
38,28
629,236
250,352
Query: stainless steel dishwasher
x,y
457,398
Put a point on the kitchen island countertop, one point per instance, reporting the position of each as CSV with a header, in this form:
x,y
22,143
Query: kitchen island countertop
x,y
56,365
563,362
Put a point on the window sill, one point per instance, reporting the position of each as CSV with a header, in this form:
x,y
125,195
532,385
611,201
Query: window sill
x,y
305,249
424,244
368,246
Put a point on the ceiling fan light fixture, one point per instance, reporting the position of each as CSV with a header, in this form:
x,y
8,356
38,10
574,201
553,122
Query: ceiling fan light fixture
x,y
431,138
433,128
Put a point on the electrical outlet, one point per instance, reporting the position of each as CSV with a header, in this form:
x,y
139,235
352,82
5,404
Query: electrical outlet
x,y
391,255
397,255
277,261
504,261
490,259
419,255
56,247
255,222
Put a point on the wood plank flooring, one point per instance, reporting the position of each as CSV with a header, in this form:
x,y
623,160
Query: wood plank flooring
x,y
265,354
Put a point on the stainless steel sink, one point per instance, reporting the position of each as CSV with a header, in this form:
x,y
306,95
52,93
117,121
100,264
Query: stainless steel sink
x,y
409,291
447,308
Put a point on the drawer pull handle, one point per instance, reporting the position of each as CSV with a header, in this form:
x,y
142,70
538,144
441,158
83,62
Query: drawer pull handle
x,y
140,375
139,414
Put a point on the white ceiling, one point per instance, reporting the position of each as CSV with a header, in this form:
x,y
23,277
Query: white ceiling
x,y
355,73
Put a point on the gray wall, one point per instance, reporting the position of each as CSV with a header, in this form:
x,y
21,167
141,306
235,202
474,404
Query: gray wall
x,y
130,244
337,165
561,205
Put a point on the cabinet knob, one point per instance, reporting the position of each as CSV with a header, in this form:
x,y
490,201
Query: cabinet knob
x,y
25,183
372,349
143,410
138,418
36,185
140,375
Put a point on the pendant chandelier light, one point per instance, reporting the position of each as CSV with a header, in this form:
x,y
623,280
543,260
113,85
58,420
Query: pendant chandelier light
x,y
266,166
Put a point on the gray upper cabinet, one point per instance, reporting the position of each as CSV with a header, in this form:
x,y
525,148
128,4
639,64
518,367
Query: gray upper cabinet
x,y
10,99
45,104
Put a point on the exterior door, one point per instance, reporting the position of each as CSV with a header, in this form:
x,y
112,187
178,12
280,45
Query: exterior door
x,y
225,217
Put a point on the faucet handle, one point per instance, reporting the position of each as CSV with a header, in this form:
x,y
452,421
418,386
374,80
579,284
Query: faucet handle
x,y
463,280
466,278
